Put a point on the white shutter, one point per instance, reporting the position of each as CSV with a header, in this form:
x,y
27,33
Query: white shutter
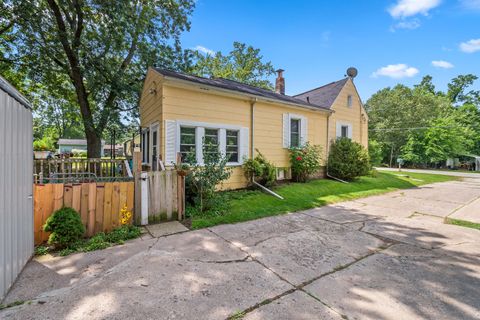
x,y
350,131
339,129
304,130
244,145
199,135
170,142
222,141
286,130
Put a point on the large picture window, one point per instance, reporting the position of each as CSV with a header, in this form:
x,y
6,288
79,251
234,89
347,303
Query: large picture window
x,y
294,133
187,143
211,141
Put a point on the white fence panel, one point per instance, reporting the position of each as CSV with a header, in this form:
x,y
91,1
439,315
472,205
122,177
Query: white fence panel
x,y
16,185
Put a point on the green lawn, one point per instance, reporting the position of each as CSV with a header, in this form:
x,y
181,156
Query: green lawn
x,y
463,223
249,205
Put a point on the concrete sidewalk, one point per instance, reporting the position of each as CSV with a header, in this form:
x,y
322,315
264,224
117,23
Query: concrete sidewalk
x,y
383,257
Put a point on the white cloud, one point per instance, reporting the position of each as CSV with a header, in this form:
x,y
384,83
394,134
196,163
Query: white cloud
x,y
471,4
442,64
409,8
408,24
396,71
204,50
470,46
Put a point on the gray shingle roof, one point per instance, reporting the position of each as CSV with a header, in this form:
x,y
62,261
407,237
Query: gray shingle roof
x,y
239,87
324,96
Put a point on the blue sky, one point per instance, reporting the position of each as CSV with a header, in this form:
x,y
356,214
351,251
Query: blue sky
x,y
389,41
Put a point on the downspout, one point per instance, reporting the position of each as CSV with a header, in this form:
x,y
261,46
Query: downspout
x,y
328,151
252,126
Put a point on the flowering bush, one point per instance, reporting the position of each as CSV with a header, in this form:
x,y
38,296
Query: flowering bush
x,y
125,216
305,161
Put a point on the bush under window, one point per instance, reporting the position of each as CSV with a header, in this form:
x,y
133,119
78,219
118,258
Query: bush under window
x,y
305,161
260,169
348,160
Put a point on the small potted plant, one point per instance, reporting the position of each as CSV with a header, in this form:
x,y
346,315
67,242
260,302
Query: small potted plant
x,y
41,149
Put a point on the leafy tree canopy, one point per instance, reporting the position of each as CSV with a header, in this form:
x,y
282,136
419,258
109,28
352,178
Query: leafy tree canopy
x,y
90,55
244,64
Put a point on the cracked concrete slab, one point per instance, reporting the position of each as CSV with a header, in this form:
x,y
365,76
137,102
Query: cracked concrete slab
x,y
404,282
165,228
470,212
339,214
420,232
297,305
155,284
45,273
200,245
301,256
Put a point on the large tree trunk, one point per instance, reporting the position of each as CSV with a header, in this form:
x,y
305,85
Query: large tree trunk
x,y
94,144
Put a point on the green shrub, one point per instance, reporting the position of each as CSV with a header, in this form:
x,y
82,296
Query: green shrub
x,y
348,160
123,233
41,250
375,152
44,144
203,179
260,169
305,161
65,226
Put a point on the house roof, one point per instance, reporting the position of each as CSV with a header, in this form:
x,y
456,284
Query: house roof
x,y
74,142
324,96
239,87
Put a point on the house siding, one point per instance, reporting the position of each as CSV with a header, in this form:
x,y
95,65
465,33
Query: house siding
x,y
268,126
191,102
192,105
351,115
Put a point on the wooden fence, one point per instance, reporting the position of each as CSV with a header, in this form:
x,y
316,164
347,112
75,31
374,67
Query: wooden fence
x,y
99,204
166,196
80,170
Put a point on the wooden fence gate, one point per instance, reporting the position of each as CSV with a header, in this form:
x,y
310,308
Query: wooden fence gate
x,y
165,196
99,204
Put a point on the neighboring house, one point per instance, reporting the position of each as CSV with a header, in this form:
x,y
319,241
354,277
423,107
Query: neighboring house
x,y
67,145
178,111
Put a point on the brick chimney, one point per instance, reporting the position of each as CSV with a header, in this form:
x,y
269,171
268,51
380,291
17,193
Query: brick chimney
x,y
280,82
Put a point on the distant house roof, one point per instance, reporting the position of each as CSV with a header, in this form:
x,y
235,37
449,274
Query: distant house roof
x,y
74,142
241,88
323,96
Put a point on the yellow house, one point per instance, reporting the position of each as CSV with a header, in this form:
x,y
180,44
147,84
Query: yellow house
x,y
178,111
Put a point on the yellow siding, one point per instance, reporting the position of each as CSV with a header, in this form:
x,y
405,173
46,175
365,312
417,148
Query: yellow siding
x,y
151,103
352,115
191,105
269,130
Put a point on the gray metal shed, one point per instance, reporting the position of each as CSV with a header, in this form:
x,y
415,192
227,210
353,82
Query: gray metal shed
x,y
16,184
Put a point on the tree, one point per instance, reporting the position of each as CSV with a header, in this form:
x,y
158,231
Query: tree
x,y
102,48
457,90
244,64
394,111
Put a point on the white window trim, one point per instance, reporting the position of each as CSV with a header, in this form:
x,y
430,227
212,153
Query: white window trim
x,y
339,125
303,133
153,127
142,146
200,133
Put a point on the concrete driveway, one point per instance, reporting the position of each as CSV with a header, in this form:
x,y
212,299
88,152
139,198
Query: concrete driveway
x,y
383,257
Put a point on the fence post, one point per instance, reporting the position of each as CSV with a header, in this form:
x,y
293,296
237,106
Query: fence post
x,y
144,199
